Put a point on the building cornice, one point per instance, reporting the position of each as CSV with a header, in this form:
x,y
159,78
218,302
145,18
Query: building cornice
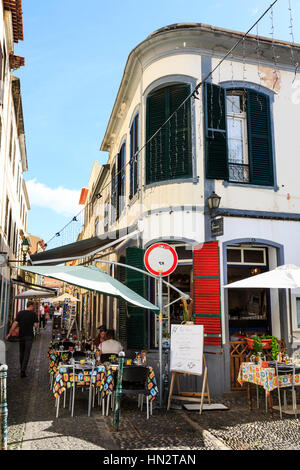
x,y
198,39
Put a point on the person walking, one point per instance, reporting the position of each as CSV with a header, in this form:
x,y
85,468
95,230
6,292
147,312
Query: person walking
x,y
51,311
46,309
42,315
25,320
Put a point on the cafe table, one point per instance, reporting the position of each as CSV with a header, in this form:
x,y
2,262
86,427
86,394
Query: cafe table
x,y
265,377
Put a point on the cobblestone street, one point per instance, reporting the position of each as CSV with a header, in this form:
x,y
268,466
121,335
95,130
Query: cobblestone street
x,y
32,424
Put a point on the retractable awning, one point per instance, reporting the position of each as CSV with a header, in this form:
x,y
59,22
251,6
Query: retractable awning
x,y
94,279
83,248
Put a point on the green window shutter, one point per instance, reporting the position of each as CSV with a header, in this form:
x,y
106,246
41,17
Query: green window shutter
x,y
137,317
169,154
260,139
215,132
180,138
122,317
156,151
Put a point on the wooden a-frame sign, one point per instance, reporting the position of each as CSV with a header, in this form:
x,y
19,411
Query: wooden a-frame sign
x,y
189,396
187,358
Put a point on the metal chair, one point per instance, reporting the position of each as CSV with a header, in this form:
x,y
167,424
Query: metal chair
x,y
73,389
133,383
291,369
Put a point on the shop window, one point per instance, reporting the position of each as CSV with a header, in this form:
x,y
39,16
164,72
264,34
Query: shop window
x,y
234,256
254,256
247,256
248,308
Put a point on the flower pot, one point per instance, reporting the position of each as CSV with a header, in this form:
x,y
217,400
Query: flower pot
x,y
265,343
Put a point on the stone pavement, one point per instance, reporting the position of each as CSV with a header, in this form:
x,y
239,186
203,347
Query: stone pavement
x,y
32,424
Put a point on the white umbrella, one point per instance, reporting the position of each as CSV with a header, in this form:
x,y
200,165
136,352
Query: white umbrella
x,y
34,293
283,277
64,297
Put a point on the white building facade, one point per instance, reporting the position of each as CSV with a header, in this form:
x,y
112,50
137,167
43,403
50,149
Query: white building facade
x,y
14,202
236,137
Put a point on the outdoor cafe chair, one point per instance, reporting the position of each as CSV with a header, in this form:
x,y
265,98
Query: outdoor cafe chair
x,y
75,368
133,383
288,369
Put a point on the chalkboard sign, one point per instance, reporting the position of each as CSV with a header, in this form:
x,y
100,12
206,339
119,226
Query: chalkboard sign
x,y
186,354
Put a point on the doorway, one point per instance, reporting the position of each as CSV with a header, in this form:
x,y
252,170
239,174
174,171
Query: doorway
x,y
249,310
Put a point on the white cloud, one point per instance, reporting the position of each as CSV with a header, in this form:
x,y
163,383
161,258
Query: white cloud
x,y
61,200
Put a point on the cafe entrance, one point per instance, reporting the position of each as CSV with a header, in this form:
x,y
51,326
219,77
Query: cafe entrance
x,y
249,310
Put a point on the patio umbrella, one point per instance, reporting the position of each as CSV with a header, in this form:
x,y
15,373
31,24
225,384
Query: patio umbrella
x,y
64,297
283,277
35,293
94,279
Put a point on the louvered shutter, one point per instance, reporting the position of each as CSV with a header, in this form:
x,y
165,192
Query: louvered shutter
x,y
260,140
179,128
207,307
215,132
156,151
169,153
122,317
136,317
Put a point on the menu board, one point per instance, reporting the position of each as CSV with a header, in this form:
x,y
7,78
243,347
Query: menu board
x,y
186,354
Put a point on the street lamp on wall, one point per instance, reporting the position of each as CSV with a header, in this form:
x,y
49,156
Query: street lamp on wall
x,y
213,202
25,249
216,221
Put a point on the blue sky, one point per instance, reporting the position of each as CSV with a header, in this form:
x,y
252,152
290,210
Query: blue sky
x,y
75,55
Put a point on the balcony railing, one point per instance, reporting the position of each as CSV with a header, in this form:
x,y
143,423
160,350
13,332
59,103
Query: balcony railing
x,y
239,173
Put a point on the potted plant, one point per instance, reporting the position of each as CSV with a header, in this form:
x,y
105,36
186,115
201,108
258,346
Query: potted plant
x,y
259,343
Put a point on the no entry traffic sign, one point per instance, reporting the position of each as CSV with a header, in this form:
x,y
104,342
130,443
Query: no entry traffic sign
x,y
161,259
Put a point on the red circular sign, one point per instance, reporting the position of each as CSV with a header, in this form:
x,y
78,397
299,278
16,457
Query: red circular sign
x,y
161,259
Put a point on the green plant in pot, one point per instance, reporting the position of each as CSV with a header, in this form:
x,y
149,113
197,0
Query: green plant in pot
x,y
258,347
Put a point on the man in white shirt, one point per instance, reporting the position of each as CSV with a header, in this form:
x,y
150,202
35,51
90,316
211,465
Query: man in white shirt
x,y
42,316
110,345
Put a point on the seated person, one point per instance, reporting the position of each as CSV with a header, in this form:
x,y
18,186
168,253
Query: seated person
x,y
100,337
110,345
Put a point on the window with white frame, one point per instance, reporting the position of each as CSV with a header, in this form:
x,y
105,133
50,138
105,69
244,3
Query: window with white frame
x,y
246,256
238,161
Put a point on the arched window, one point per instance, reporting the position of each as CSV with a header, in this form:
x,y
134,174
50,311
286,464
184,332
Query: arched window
x,y
238,136
169,153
